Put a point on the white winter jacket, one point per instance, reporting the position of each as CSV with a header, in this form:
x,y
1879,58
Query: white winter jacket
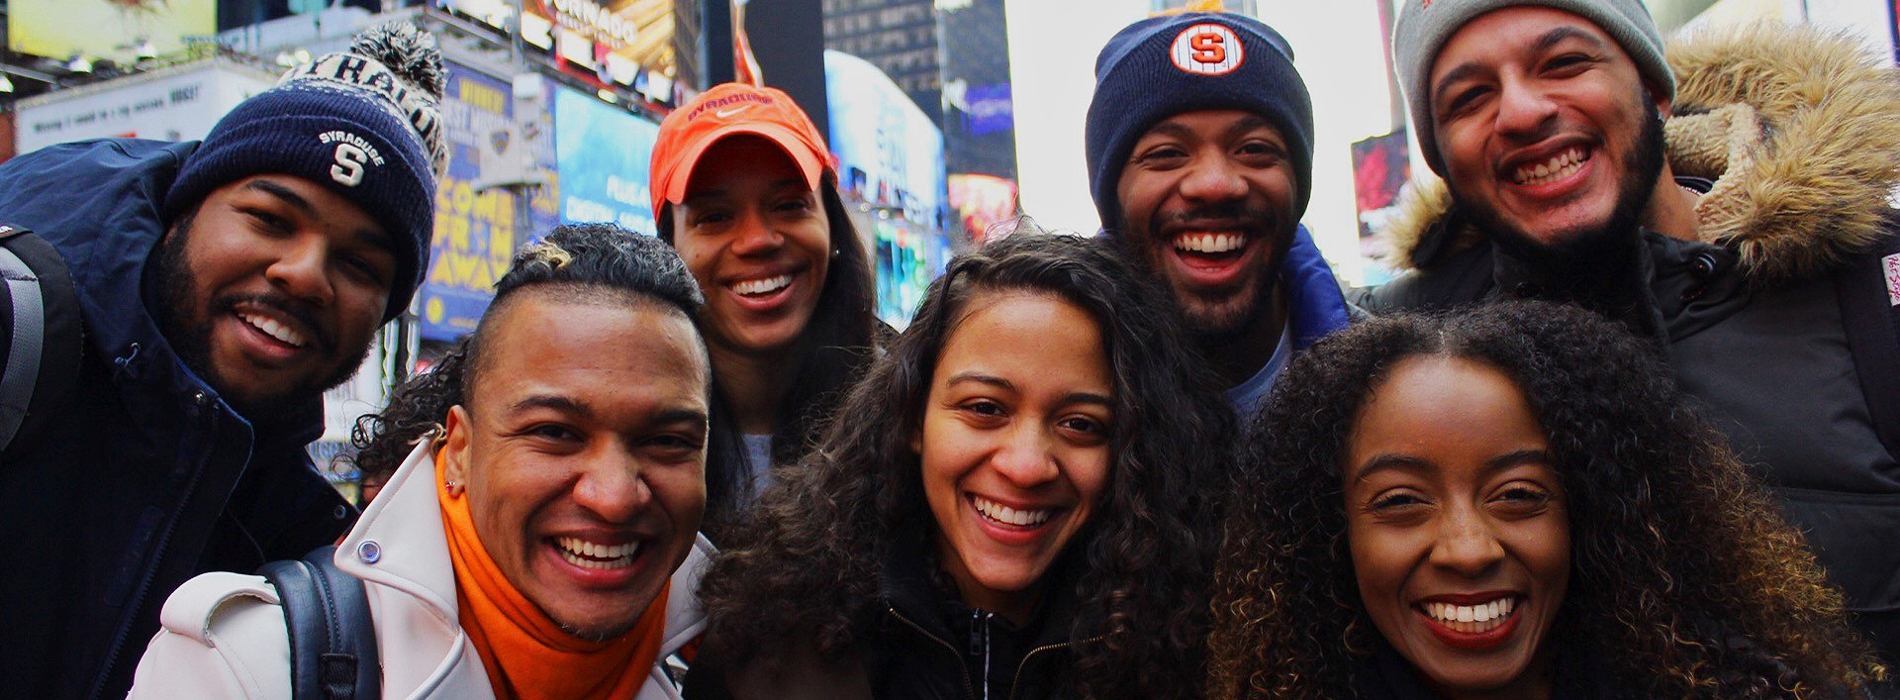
x,y
223,634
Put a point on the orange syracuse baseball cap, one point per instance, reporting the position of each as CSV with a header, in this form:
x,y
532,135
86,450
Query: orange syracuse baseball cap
x,y
726,110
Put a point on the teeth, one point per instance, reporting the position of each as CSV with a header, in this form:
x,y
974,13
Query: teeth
x,y
590,555
1010,516
1210,242
762,286
1561,166
273,329
1471,619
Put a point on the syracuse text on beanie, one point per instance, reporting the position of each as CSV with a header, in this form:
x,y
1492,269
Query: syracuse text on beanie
x,y
365,123
1163,66
1425,25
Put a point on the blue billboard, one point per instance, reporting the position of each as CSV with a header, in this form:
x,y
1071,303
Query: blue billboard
x,y
475,231
602,153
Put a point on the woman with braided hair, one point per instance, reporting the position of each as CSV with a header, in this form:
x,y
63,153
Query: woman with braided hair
x,y
1510,503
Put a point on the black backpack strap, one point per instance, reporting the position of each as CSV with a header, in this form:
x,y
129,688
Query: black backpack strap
x,y
1869,291
40,340
332,637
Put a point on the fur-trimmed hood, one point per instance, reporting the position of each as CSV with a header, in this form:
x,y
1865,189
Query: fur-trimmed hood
x,y
1798,127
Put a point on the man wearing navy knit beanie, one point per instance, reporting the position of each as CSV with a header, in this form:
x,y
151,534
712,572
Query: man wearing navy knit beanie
x,y
221,287
1200,159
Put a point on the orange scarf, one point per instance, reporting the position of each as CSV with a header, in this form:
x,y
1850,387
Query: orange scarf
x,y
527,655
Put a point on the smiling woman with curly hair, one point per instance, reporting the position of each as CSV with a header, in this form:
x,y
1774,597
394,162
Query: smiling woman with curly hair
x,y
1512,503
1014,503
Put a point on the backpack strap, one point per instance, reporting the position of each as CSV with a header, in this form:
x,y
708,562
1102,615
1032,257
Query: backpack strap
x,y
40,337
21,371
1869,290
332,636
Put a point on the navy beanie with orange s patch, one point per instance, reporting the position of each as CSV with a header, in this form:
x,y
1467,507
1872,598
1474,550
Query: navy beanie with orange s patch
x,y
1192,61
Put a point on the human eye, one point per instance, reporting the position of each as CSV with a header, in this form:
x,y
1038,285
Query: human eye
x,y
1568,63
1396,500
982,407
552,432
1086,428
1162,157
1522,498
1464,100
708,216
266,221
676,447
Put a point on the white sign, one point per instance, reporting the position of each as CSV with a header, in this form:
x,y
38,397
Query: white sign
x,y
174,104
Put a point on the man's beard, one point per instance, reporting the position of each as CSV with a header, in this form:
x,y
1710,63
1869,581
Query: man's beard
x,y
1590,251
1219,326
177,289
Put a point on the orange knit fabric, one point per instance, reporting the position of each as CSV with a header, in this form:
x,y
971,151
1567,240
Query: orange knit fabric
x,y
527,655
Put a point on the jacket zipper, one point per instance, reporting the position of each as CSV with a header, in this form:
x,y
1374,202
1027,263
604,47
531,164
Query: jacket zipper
x,y
145,582
1016,684
967,691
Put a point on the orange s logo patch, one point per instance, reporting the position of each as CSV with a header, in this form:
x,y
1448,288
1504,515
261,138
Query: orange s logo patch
x,y
1207,49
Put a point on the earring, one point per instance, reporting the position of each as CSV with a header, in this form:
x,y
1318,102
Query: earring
x,y
454,487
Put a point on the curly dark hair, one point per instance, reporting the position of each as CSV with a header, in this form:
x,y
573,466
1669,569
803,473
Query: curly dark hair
x,y
1684,579
834,351
806,572
598,261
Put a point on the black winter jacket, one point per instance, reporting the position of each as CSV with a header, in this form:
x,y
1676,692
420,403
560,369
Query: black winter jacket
x,y
150,478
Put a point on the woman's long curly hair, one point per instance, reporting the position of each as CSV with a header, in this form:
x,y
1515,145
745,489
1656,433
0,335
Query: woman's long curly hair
x,y
1685,582
806,573
832,353
579,259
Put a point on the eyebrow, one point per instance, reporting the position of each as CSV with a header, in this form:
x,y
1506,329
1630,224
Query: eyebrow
x,y
284,193
1543,43
371,236
552,402
1073,397
774,187
1386,461
1181,131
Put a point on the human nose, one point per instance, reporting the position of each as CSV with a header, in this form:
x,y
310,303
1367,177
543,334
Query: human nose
x,y
613,487
1524,111
1213,179
300,269
755,235
1026,458
1466,543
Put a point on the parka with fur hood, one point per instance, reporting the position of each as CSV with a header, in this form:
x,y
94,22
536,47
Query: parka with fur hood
x,y
1793,136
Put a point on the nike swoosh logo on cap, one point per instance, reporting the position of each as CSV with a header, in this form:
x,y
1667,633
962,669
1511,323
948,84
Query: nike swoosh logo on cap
x,y
724,113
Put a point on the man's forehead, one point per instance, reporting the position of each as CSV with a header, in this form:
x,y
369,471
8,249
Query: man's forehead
x,y
1523,28
1223,122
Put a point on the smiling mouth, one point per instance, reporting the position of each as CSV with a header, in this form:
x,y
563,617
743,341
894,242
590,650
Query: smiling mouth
x,y
590,555
1211,246
1471,619
1006,516
761,287
1557,168
271,327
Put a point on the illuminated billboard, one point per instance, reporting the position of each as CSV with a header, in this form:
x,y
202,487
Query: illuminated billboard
x,y
476,231
602,153
117,29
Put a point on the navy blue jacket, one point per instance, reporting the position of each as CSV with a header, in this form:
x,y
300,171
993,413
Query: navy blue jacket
x,y
151,478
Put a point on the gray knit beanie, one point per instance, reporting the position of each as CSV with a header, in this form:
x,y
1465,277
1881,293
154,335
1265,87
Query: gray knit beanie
x,y
1424,25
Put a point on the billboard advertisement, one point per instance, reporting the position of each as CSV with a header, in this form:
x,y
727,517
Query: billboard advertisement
x,y
908,257
117,29
982,201
476,230
603,153
179,103
889,152
1381,166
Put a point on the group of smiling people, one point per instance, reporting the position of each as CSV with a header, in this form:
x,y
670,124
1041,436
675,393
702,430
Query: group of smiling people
x,y
699,465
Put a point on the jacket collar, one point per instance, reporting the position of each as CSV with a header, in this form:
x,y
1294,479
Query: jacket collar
x,y
400,543
1761,112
